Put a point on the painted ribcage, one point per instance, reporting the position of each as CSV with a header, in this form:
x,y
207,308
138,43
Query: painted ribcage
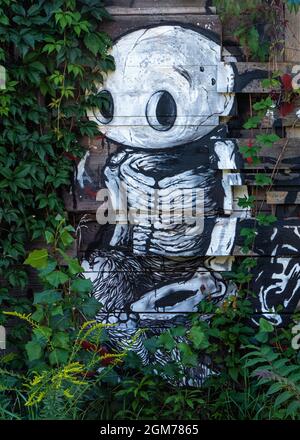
x,y
166,203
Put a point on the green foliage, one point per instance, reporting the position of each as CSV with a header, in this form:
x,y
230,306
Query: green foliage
x,y
273,82
279,375
262,179
246,19
246,202
266,220
55,52
62,318
46,48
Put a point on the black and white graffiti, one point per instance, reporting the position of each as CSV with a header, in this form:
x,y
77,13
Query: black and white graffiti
x,y
163,109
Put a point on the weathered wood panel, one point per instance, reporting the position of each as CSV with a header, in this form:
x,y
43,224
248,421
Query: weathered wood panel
x,y
163,131
248,76
286,235
130,19
159,4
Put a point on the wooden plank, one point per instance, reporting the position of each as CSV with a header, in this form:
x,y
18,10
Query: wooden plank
x,y
292,36
219,264
203,4
248,76
284,154
280,239
144,9
283,197
287,212
126,23
279,179
156,4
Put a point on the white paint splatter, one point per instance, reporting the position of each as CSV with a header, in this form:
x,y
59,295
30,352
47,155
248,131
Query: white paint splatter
x,y
81,170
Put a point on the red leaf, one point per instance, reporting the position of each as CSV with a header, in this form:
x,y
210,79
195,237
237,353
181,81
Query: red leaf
x,y
286,80
102,351
286,108
86,345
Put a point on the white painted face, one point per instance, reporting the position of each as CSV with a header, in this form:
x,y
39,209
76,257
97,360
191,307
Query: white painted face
x,y
163,92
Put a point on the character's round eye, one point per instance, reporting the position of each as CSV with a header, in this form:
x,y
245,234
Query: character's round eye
x,y
161,111
106,112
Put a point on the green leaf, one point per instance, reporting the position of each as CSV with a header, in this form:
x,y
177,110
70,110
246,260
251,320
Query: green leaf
x,y
266,219
178,331
166,340
262,179
49,237
198,338
93,42
57,310
56,278
51,266
233,373
73,264
252,122
286,395
151,344
187,356
66,238
58,356
33,350
82,285
267,139
262,337
38,315
274,388
90,307
75,267
61,340
246,202
263,104
47,297
42,334
265,325
37,259
293,408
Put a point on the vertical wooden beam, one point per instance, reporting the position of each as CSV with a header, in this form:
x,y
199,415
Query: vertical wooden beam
x,y
292,51
292,37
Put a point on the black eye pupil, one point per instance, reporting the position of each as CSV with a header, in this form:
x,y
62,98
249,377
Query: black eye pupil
x,y
107,106
213,81
166,110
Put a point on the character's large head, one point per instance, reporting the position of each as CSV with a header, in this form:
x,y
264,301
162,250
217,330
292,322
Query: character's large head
x,y
163,92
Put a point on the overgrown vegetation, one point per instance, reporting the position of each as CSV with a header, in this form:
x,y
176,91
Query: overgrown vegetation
x,y
258,25
59,367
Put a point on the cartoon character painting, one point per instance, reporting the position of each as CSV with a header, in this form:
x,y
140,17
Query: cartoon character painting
x,y
163,110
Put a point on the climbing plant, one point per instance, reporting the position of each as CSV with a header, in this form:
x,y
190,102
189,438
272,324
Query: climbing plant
x,y
258,25
53,52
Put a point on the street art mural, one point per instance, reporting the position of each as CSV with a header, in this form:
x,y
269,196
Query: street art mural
x,y
169,186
